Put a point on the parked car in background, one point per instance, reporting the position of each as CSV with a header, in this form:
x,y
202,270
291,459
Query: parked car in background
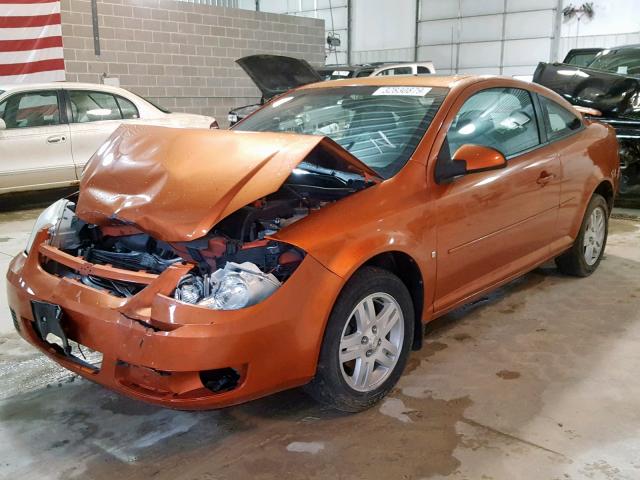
x,y
581,57
338,72
607,90
419,68
49,131
273,75
309,244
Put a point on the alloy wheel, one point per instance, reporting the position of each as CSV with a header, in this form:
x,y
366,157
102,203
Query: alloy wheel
x,y
371,342
594,233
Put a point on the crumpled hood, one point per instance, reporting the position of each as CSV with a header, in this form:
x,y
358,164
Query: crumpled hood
x,y
176,184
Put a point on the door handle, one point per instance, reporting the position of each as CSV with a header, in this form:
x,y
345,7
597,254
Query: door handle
x,y
56,139
545,177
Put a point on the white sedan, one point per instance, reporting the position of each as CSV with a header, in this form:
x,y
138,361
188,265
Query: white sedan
x,y
49,131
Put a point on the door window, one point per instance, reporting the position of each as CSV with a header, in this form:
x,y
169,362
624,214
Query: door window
x,y
396,71
500,118
423,70
559,120
364,73
33,109
127,108
88,106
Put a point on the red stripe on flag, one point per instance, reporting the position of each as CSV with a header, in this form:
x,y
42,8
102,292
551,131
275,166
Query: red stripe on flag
x,y
33,21
32,67
30,44
18,2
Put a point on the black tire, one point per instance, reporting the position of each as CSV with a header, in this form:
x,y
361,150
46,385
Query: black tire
x,y
573,261
329,386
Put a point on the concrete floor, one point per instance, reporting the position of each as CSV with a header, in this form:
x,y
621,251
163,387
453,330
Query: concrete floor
x,y
538,381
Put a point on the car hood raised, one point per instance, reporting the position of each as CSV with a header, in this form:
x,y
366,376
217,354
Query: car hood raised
x,y
615,95
176,184
276,74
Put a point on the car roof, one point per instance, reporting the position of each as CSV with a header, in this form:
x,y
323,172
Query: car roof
x,y
621,47
406,64
448,81
455,83
55,85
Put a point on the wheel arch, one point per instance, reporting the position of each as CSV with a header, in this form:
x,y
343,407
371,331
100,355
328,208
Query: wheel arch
x,y
405,267
605,188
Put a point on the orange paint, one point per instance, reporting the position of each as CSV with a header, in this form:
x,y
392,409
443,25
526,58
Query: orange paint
x,y
466,236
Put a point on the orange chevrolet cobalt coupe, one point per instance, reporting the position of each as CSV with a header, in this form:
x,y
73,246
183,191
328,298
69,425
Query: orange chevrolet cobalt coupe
x,y
310,244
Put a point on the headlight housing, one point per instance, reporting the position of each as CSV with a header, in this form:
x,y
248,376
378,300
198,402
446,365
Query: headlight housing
x,y
50,216
230,288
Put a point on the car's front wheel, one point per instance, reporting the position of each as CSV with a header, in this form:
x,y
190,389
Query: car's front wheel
x,y
584,256
366,342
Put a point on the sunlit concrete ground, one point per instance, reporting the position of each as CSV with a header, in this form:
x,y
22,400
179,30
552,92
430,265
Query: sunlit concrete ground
x,y
538,381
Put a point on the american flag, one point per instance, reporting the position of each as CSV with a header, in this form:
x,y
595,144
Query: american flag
x,y
30,41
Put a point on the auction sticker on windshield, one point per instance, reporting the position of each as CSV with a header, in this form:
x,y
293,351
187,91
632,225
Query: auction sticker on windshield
x,y
406,91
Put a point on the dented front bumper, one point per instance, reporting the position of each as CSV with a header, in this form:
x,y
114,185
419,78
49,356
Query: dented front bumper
x,y
157,349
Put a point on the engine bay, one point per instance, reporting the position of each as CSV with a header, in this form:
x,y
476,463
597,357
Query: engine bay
x,y
237,249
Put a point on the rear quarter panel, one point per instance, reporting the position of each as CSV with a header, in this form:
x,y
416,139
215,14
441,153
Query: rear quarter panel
x,y
588,158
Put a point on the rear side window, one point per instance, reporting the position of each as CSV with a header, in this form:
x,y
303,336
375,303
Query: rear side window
x,y
559,121
88,106
500,118
364,73
127,108
33,109
580,59
396,71
423,70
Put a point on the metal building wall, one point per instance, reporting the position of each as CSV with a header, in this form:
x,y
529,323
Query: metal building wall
x,y
335,14
614,23
506,37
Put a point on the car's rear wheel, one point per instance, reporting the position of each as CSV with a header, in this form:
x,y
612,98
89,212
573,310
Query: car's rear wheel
x,y
366,342
587,251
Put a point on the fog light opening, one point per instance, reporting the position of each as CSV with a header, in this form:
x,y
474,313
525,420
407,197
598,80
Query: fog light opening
x,y
220,380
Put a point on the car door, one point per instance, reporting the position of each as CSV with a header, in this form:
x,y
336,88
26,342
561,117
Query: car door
x,y
35,151
94,115
561,126
494,224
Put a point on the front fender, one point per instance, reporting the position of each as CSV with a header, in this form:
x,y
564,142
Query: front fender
x,y
394,215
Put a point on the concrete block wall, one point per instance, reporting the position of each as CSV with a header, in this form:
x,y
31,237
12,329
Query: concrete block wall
x,y
182,55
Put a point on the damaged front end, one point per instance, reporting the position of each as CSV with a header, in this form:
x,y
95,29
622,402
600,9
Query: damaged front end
x,y
166,263
235,263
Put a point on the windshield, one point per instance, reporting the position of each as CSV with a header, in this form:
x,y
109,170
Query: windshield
x,y
381,126
624,61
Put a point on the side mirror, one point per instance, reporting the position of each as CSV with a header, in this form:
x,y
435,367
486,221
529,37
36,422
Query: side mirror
x,y
469,158
478,158
3,125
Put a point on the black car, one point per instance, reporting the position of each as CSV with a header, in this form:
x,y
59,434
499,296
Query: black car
x,y
273,75
607,90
